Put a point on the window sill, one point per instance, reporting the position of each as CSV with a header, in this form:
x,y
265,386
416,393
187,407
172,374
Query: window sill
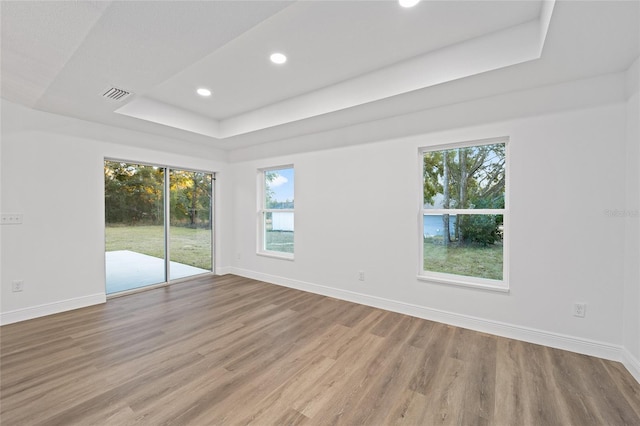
x,y
487,286
276,255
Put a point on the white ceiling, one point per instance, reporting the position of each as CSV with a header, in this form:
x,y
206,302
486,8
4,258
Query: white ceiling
x,y
327,43
349,61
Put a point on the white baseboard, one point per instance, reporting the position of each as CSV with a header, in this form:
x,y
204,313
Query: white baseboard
x,y
631,363
51,308
531,335
224,270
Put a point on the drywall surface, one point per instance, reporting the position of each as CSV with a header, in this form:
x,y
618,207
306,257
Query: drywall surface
x,y
630,216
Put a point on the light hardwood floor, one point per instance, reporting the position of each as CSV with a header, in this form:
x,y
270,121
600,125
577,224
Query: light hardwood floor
x,y
229,350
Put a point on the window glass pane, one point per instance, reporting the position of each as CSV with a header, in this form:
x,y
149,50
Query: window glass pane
x,y
190,222
473,247
465,178
278,231
134,225
278,189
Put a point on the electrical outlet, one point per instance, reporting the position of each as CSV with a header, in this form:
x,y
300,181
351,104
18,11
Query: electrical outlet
x,y
579,310
17,285
361,275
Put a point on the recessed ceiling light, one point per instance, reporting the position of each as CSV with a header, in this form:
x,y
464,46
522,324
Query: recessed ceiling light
x,y
408,3
278,58
203,92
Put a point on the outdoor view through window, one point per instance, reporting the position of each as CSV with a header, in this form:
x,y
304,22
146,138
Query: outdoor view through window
x,y
463,211
277,211
144,214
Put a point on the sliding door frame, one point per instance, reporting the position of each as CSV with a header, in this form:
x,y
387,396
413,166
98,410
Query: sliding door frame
x,y
167,225
166,169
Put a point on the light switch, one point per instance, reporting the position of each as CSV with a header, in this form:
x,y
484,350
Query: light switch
x,y
11,219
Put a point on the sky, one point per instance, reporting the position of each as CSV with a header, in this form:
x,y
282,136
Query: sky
x,y
282,185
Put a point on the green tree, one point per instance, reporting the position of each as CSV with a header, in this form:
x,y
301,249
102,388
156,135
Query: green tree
x,y
432,170
190,198
269,177
133,193
468,177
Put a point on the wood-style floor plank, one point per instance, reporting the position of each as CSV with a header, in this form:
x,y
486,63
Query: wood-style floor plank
x,y
234,351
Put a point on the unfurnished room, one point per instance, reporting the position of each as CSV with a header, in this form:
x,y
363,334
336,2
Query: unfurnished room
x,y
415,212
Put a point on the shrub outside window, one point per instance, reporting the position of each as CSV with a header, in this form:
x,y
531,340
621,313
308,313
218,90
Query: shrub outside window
x,y
463,214
276,212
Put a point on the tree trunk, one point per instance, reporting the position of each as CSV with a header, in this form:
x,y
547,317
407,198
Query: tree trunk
x,y
445,184
464,176
194,200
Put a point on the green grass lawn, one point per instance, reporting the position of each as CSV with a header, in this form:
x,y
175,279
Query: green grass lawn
x,y
474,261
281,241
188,246
193,247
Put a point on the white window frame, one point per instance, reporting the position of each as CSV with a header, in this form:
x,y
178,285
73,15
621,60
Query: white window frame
x,y
462,280
262,211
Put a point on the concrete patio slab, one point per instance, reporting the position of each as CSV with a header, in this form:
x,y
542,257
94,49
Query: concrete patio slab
x,y
127,270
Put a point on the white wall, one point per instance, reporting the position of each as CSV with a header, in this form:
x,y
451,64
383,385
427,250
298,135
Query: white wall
x,y
631,220
357,207
52,175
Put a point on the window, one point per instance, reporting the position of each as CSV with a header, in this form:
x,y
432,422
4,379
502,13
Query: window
x,y
276,212
464,214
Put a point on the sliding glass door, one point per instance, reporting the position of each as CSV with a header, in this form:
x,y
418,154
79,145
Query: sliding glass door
x,y
152,238
190,217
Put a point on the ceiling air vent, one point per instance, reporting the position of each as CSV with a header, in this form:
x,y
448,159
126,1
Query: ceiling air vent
x,y
115,94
